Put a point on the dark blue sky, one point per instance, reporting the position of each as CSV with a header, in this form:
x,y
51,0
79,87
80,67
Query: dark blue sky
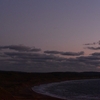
x,y
50,25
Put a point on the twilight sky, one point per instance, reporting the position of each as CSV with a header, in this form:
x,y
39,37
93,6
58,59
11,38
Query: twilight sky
x,y
50,35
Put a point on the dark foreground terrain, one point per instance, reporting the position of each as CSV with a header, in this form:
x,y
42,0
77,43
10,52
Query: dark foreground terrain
x,y
17,85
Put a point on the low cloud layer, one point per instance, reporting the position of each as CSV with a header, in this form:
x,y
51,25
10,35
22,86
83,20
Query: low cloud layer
x,y
24,58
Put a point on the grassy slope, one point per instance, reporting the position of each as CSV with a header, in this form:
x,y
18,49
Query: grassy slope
x,y
5,95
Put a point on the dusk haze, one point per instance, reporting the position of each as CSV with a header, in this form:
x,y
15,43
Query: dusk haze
x,y
50,35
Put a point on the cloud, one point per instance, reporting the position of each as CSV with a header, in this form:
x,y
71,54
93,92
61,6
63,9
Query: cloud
x,y
90,43
35,50
73,53
96,54
20,48
93,48
98,42
35,57
94,43
52,52
65,53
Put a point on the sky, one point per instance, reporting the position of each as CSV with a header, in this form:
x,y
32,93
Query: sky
x,y
50,35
